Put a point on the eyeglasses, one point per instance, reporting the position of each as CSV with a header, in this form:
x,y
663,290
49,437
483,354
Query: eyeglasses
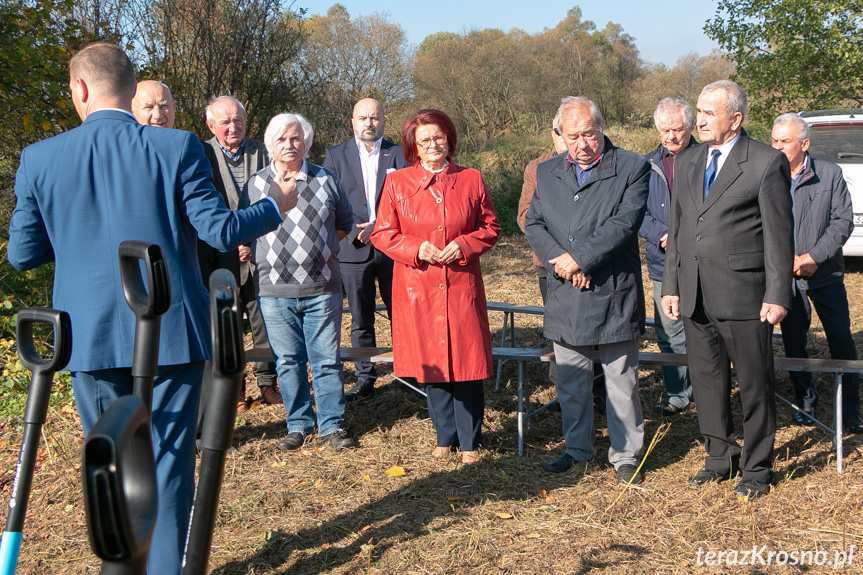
x,y
437,141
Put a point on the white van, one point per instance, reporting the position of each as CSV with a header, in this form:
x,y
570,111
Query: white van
x,y
837,136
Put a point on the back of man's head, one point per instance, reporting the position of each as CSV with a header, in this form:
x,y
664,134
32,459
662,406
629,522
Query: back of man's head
x,y
106,69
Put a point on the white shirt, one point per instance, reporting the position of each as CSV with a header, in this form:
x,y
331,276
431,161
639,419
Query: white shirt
x,y
724,150
369,163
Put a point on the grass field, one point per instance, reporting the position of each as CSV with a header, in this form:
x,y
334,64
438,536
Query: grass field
x,y
322,511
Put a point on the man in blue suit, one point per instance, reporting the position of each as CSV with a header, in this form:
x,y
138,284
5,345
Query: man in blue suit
x,y
361,164
79,195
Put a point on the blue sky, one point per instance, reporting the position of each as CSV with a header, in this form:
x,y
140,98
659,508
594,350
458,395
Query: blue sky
x,y
659,37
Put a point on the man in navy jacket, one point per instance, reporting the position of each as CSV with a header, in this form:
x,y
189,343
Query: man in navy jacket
x,y
674,120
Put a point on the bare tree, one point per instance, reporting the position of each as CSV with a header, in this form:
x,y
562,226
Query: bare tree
x,y
344,60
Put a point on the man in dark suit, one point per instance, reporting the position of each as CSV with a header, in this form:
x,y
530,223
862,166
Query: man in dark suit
x,y
82,193
361,164
728,268
234,158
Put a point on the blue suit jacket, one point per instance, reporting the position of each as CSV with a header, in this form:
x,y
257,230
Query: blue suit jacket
x,y
82,193
344,161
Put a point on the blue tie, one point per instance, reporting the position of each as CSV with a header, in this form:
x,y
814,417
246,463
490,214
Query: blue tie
x,y
710,172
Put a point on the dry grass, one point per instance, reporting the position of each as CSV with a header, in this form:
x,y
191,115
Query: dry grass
x,y
321,511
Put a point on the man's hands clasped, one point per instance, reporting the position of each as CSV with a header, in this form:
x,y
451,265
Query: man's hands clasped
x,y
568,269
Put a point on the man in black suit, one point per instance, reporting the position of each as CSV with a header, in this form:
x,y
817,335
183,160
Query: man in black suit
x,y
361,164
729,257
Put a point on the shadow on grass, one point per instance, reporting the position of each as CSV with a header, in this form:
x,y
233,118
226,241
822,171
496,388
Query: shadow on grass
x,y
434,503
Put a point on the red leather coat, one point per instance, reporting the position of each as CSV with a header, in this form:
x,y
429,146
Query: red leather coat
x,y
440,327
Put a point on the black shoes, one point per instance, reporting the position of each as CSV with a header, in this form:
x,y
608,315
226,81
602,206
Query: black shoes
x,y
338,439
749,488
293,441
805,416
666,408
360,389
706,476
627,474
854,428
560,464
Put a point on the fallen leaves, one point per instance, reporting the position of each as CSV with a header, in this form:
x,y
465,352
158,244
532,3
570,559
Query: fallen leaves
x,y
396,471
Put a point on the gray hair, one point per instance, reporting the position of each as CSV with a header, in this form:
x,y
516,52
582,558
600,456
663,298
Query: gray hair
x,y
735,97
217,99
280,123
801,125
670,105
566,104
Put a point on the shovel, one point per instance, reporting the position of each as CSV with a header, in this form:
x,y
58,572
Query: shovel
x,y
42,371
148,304
218,427
120,490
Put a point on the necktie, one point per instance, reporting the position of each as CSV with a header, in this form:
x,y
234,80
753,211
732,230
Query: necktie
x,y
710,172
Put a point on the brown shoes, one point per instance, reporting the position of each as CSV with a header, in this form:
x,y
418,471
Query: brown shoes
x,y
270,395
441,452
468,457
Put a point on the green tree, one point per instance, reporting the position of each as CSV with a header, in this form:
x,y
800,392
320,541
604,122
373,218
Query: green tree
x,y
793,54
206,48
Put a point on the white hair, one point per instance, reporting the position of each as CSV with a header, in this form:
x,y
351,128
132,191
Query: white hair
x,y
801,125
735,97
671,105
280,123
566,104
216,100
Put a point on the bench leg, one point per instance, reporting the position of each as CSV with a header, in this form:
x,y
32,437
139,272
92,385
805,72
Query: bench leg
x,y
502,344
838,422
521,409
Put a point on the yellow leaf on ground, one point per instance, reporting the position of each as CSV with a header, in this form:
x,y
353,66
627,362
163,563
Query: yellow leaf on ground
x,y
396,471
366,478
504,515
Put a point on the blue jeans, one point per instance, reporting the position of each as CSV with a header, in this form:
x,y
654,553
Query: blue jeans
x,y
306,331
671,339
175,409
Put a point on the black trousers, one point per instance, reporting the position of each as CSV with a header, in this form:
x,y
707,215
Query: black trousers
x,y
710,345
359,283
831,304
456,410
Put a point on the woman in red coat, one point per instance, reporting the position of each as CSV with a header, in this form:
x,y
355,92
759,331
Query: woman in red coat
x,y
435,219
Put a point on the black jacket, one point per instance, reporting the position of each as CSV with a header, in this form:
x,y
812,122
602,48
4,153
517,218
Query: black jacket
x,y
596,224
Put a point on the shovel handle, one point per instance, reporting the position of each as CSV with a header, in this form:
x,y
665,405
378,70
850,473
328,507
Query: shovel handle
x,y
154,299
42,368
218,429
42,373
148,304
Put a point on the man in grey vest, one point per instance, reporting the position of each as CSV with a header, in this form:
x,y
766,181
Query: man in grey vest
x,y
234,158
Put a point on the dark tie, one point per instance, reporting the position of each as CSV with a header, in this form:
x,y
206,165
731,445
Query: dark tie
x,y
710,172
